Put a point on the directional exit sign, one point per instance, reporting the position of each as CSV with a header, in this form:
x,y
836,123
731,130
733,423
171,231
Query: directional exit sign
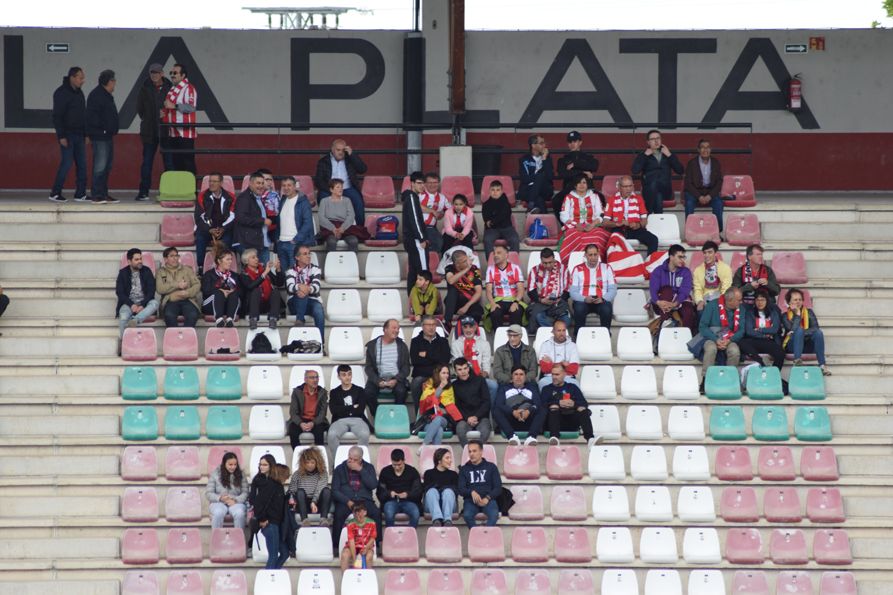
x,y
795,48
57,48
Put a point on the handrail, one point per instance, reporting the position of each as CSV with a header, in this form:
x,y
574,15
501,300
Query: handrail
x,y
296,126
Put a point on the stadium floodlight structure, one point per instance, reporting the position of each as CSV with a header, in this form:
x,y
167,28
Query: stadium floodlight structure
x,y
307,17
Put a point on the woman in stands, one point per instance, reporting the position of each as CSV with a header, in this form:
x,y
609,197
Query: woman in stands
x,y
267,499
336,216
440,485
802,332
762,330
581,215
458,225
438,404
220,289
227,492
261,285
308,490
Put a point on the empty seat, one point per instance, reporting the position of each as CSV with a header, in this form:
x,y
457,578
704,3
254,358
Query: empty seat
x,y
657,545
564,463
529,545
634,344
706,582
638,382
346,344
521,462
532,581
401,545
342,268
744,546
739,505
139,505
606,463
610,504
764,383
630,305
140,582
685,423
264,383
665,227
575,581
139,345
700,545
384,304
272,582
257,452
619,581
672,344
139,423
648,463
183,546
344,305
402,581
378,192
139,463
568,503
680,383
139,383
769,423
382,268
552,229
722,383
605,421
751,582
701,227
790,268
445,581
528,504
485,544
140,546
304,334
182,423
227,547
597,382
180,344
644,423
181,463
694,504
663,582
223,423
183,504
733,464
453,185
727,423
318,581
489,580
653,504
793,582
222,344
819,463
788,546
831,546
740,190
781,505
614,545
776,463
266,422
181,383
838,583
261,356
690,463
572,545
812,424
594,344
442,545
742,229
806,383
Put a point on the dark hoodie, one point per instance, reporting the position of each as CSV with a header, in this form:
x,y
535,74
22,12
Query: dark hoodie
x,y
69,110
148,106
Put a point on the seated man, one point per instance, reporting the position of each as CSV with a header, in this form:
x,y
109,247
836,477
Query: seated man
x,y
505,290
568,409
548,292
307,411
498,222
722,328
754,274
464,290
511,354
480,486
342,163
387,366
179,289
702,182
710,279
214,218
592,289
558,349
434,204
400,490
802,332
426,350
347,403
472,401
670,286
135,288
424,298
518,409
354,481
626,214
472,345
302,285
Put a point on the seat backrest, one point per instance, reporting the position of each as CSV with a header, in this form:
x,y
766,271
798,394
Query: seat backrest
x,y
794,582
403,581
344,305
529,544
564,462
727,423
258,451
318,581
181,383
229,581
776,463
657,545
614,545
690,463
680,382
139,463
634,344
685,423
610,503
180,344
643,422
653,504
700,227
314,545
790,268
383,457
182,423
342,268
572,545
139,504
611,185
139,423
788,546
140,546
139,344
619,581
442,545
223,423
838,583
672,344
752,582
486,544
606,462
605,421
183,546
489,580
528,503
532,581
140,582
739,504
521,462
508,188
358,376
139,383
781,505
665,227
222,338
453,185
740,188
831,546
575,581
597,382
629,306
648,463
272,582
382,267
663,582
215,456
819,463
700,545
181,463
384,304
744,546
594,344
568,503
445,581
344,449
742,229
694,504
379,191
183,504
733,463
264,383
638,382
266,422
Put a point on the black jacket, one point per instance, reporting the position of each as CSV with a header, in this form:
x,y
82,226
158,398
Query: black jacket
x,y
409,482
268,499
342,491
472,397
249,223
247,284
211,282
123,287
102,114
498,213
652,169
212,213
413,220
582,162
69,110
355,167
341,410
534,183
148,105
436,352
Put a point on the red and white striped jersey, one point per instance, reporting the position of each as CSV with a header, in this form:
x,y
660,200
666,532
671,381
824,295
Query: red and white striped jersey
x,y
504,280
576,209
182,92
548,284
592,281
630,209
437,201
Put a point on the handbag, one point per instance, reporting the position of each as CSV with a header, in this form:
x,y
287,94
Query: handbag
x,y
559,309
419,424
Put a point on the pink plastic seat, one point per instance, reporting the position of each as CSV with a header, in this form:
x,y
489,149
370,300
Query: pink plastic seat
x,y
783,305
788,546
245,182
529,544
790,268
793,582
521,462
572,545
831,546
426,457
733,463
513,258
177,230
750,582
453,185
442,545
744,546
227,545
742,229
575,581
185,582
222,338
549,222
508,187
139,345
229,582
139,505
139,463
180,344
528,503
187,259
378,192
183,504
215,456
739,505
403,581
433,263
489,454
564,462
148,261
383,458
491,581
140,546
838,583
824,505
741,189
568,503
306,186
738,259
140,582
532,581
445,581
776,463
782,505
183,546
700,227
181,463
401,544
485,544
610,185
371,226
228,184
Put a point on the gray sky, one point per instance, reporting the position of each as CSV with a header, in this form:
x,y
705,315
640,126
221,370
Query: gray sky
x,y
480,14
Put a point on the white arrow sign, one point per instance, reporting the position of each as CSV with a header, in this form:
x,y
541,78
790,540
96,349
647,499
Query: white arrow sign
x,y
57,48
795,48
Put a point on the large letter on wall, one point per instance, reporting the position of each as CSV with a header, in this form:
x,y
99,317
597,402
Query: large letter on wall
x,y
15,115
547,97
302,91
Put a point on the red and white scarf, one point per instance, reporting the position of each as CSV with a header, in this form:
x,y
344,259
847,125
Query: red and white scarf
x,y
225,280
724,319
470,352
630,209
459,222
548,284
748,276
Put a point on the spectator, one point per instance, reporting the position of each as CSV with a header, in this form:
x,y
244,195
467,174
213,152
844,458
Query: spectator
x,y
415,239
424,298
712,278
251,222
227,492
440,485
573,164
547,288
581,213
471,344
400,489
149,104
361,536
498,222
558,349
464,290
437,404
220,289
267,499
801,329
703,182
135,288
626,214
261,285
336,217
511,354
295,222
754,274
214,218
307,411
70,122
354,482
568,409
473,400
4,303
302,285
721,329
434,204
656,164
762,331
102,127
387,366
179,289
518,408
479,485
458,225
344,164
179,108
347,403
505,290
426,350
670,287
272,203
592,289
535,170
308,490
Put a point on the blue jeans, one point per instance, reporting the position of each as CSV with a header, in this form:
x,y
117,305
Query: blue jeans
x,y
800,340
441,505
434,430
278,555
149,150
125,314
470,510
103,156
75,152
203,240
691,203
356,200
286,253
300,307
392,507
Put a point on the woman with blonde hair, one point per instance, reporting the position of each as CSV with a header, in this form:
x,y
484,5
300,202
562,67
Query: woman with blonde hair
x,y
309,491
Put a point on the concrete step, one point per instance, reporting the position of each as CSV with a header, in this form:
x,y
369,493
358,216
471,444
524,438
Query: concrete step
x,y
134,233
60,465
69,587
59,346
45,548
43,421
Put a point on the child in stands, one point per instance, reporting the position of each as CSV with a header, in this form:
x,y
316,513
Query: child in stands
x,y
359,550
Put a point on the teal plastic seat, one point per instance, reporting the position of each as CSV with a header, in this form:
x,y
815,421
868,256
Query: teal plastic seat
x,y
181,383
139,383
764,384
806,383
564,434
727,423
139,423
392,422
224,383
224,422
722,383
812,424
182,423
770,423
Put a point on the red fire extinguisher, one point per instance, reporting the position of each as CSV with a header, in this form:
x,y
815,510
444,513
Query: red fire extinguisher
x,y
795,93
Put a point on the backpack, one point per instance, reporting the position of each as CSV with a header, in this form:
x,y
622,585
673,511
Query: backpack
x,y
538,230
386,228
261,344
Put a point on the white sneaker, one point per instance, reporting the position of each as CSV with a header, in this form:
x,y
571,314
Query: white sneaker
x,y
514,440
553,441
530,441
593,441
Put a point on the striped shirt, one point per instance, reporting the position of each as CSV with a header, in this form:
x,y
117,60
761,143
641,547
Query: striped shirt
x,y
309,275
437,201
312,483
504,280
592,282
627,209
181,94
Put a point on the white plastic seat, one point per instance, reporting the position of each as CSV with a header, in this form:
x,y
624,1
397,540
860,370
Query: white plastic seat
x,y
275,342
344,305
296,454
629,306
533,259
643,422
272,582
314,545
575,258
384,304
378,331
610,504
341,454
594,344
605,421
690,463
653,504
694,504
264,383
258,451
346,344
359,582
296,376
700,545
638,382
382,268
665,227
543,334
672,344
358,376
680,383
614,545
318,581
634,344
685,422
706,582
266,422
663,581
342,268
606,463
648,463
417,330
501,337
619,581
304,333
657,545
597,382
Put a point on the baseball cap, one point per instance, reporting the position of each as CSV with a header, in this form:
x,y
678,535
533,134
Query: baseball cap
x,y
156,67
468,320
515,329
573,135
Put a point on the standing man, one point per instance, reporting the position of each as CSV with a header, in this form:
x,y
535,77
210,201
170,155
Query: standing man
x,y
180,290
102,126
670,286
135,288
505,289
70,122
547,288
415,236
342,163
387,366
434,204
574,163
703,182
535,170
592,289
214,218
295,222
656,164
179,108
149,106
250,229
